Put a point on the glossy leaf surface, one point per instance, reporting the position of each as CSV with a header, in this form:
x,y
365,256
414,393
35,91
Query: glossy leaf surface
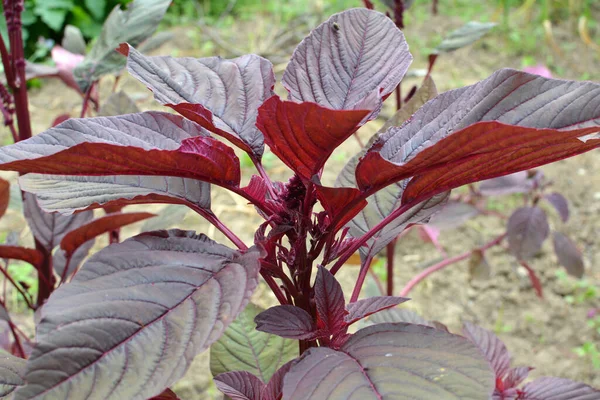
x,y
509,122
547,388
149,143
392,362
356,55
329,299
363,308
240,385
286,321
494,350
136,314
303,135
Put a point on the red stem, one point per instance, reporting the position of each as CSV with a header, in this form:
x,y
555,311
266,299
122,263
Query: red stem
x,y
364,268
263,174
391,249
377,282
17,340
21,292
86,100
445,263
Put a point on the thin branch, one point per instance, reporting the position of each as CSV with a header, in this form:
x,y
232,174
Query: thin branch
x,y
86,100
391,249
14,332
213,219
364,268
21,292
263,174
274,287
447,262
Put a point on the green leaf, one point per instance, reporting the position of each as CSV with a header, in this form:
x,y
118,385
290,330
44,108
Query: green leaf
x,y
96,7
464,36
243,348
133,25
53,13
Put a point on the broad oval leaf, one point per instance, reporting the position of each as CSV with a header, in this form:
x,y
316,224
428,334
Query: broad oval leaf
x,y
135,316
12,372
118,103
287,321
273,390
149,143
568,255
133,25
363,308
527,228
399,315
393,362
491,347
303,135
67,194
548,388
352,56
464,36
243,348
560,203
240,385
510,122
221,95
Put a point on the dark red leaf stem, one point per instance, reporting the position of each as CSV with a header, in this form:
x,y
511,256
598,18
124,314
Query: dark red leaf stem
x,y
14,332
21,292
45,274
535,282
86,100
447,262
391,249
364,268
213,219
274,287
263,174
377,281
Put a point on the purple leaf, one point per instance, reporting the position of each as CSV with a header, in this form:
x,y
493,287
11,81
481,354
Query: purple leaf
x,y
363,308
240,385
329,297
347,60
516,376
12,372
274,388
386,360
560,203
527,229
491,346
510,122
286,321
507,184
568,255
303,135
137,313
452,215
547,388
67,194
221,95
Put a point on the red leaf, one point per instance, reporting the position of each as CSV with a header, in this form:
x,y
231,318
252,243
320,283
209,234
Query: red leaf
x,y
331,305
221,95
4,196
167,394
303,135
363,308
240,385
335,201
274,389
148,143
75,238
481,151
286,321
31,256
568,255
527,228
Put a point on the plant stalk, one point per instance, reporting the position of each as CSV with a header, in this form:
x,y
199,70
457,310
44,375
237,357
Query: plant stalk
x,y
447,262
